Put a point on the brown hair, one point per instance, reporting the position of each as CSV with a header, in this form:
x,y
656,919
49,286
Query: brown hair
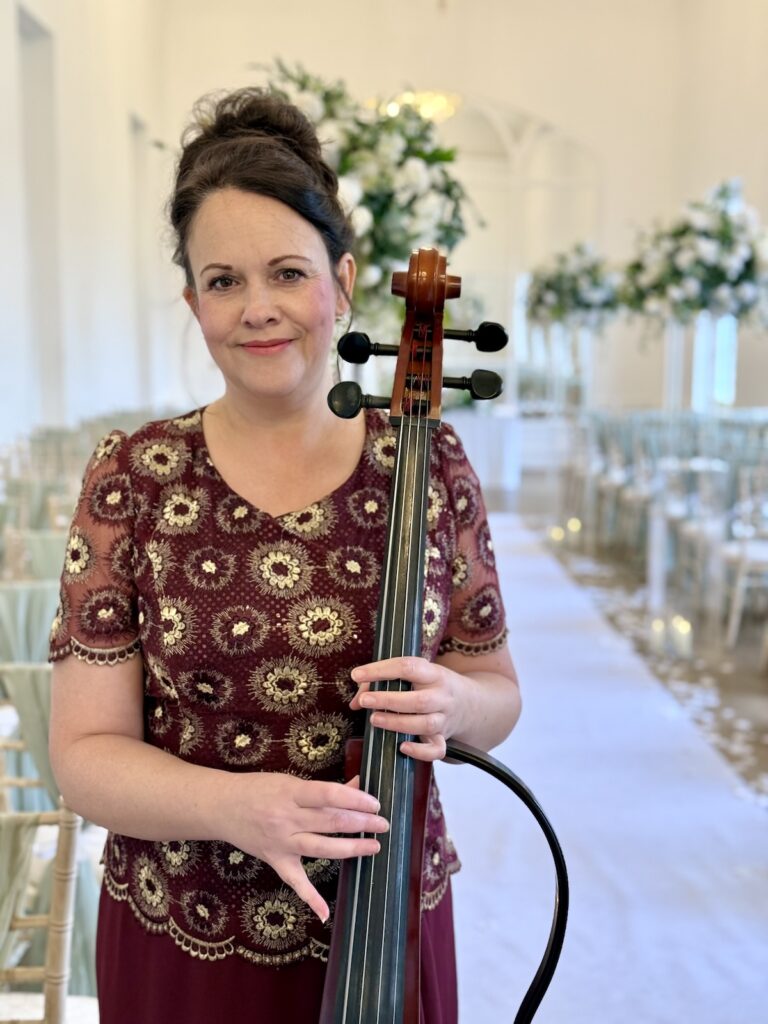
x,y
255,141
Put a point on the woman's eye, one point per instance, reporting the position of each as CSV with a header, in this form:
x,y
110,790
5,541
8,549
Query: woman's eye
x,y
291,274
221,283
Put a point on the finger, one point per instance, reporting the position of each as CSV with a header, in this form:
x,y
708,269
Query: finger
x,y
293,874
416,725
415,702
335,820
355,702
309,844
432,748
415,670
337,794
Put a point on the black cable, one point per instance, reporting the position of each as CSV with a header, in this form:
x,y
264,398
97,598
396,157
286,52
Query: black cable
x,y
469,755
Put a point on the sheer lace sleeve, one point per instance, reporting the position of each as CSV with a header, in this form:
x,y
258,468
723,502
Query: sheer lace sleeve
x,y
97,618
476,622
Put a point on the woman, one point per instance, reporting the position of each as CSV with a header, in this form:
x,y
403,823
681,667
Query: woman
x,y
219,592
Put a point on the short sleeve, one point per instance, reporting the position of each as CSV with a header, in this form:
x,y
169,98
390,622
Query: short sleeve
x,y
97,618
476,621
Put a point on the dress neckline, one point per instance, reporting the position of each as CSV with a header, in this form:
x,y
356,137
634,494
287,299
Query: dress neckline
x,y
344,485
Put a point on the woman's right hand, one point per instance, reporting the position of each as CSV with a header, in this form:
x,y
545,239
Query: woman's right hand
x,y
280,819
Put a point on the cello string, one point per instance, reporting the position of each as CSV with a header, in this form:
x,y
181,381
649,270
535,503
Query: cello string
x,y
414,563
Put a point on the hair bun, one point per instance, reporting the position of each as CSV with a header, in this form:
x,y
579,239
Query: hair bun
x,y
253,111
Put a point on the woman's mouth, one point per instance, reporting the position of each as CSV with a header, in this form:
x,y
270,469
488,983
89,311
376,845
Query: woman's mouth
x,y
266,347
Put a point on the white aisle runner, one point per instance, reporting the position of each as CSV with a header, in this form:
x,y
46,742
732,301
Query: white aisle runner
x,y
668,863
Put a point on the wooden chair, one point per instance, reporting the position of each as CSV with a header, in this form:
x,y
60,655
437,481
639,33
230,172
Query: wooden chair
x,y
54,975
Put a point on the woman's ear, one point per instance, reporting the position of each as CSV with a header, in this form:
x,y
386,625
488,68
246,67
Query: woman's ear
x,y
190,297
346,272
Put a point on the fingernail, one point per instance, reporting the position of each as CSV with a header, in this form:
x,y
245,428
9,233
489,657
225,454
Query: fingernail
x,y
367,701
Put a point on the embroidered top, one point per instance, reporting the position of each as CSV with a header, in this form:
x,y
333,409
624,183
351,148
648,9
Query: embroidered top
x,y
248,626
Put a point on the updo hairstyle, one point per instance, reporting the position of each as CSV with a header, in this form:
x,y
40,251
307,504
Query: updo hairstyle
x,y
255,141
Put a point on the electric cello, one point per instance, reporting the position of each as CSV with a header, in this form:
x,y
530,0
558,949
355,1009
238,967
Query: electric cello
x,y
374,960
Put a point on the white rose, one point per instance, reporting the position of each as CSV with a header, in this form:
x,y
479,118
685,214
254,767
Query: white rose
x,y
362,220
332,138
368,170
675,293
309,103
428,211
653,306
723,295
692,287
412,178
684,259
371,276
699,219
350,191
549,298
747,292
732,265
390,148
708,250
762,248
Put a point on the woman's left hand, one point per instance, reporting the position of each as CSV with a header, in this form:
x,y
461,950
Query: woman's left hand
x,y
433,709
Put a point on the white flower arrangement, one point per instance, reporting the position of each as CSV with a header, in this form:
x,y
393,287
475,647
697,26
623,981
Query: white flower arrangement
x,y
394,178
713,258
576,290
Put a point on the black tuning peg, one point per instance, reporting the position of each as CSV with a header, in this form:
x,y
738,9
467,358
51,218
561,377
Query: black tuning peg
x,y
356,347
482,384
488,337
346,399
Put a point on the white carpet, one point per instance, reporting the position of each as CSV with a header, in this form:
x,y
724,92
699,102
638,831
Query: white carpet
x,y
668,861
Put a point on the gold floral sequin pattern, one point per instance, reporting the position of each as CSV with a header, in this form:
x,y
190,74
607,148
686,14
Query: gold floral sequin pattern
x,y
162,460
314,521
179,857
275,920
235,516
280,570
316,742
352,567
182,510
177,621
210,567
248,627
242,742
284,685
240,629
111,499
318,625
78,559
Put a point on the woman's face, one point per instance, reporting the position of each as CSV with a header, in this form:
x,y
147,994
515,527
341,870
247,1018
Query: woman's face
x,y
265,295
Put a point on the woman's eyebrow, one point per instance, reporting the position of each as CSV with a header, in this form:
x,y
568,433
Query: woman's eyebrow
x,y
216,266
289,256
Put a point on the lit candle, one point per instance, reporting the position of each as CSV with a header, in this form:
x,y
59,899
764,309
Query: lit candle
x,y
658,636
682,637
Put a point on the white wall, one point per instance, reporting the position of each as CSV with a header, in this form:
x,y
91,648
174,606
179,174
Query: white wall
x,y
69,331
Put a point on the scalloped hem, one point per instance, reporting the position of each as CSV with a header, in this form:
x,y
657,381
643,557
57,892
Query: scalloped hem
x,y
467,647
95,655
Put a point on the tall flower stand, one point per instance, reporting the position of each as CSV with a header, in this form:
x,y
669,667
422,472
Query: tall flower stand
x,y
674,366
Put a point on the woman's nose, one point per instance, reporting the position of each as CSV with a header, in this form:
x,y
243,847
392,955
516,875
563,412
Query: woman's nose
x,y
260,307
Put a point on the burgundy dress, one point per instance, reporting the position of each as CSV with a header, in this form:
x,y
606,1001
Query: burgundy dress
x,y
248,626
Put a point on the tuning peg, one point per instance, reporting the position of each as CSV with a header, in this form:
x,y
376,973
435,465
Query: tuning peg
x,y
489,337
356,347
482,384
346,399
